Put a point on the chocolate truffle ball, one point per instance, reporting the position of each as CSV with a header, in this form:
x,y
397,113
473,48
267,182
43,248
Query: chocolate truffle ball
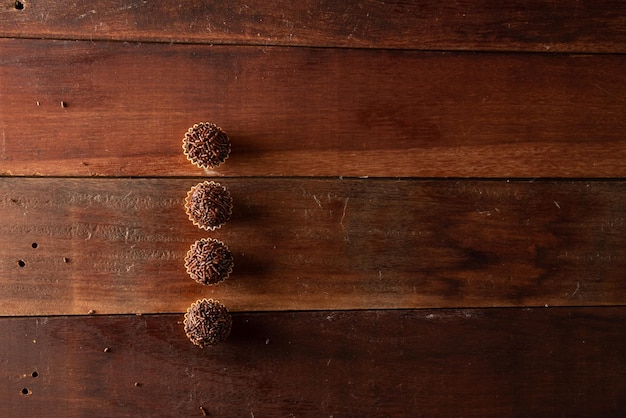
x,y
208,205
207,322
209,261
206,145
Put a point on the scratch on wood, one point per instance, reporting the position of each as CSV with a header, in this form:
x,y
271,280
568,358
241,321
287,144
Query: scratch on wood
x,y
345,205
577,289
85,14
319,203
343,215
557,204
4,145
128,7
602,89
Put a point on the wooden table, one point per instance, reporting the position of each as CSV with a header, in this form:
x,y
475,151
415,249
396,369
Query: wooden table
x,y
429,213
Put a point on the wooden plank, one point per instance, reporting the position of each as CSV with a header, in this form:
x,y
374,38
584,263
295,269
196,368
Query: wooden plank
x,y
474,363
553,25
309,112
117,245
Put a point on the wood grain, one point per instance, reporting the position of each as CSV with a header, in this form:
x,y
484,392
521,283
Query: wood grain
x,y
553,25
309,112
474,363
383,297
117,245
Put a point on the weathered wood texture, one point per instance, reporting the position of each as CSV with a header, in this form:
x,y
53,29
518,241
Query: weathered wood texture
x,y
554,25
310,112
478,363
316,88
313,244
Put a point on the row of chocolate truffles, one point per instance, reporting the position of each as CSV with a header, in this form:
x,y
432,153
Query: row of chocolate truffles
x,y
208,261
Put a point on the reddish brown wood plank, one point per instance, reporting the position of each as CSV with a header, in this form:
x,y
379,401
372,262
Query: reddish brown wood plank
x,y
474,363
554,25
117,245
309,112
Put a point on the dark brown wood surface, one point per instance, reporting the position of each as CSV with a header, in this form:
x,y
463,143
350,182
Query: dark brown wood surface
x,y
302,244
545,26
485,253
471,363
309,112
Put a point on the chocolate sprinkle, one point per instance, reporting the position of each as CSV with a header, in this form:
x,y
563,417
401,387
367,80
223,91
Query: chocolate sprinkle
x,y
209,205
206,145
207,322
209,261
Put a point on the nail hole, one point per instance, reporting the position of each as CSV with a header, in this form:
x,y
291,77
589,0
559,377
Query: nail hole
x,y
19,5
35,245
21,263
34,374
25,391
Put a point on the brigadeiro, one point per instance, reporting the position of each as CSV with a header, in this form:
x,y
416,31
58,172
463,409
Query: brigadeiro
x,y
209,261
207,322
208,205
206,145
